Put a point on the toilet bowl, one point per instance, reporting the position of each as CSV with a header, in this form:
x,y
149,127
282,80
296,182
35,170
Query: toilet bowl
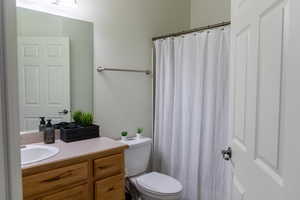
x,y
157,186
153,185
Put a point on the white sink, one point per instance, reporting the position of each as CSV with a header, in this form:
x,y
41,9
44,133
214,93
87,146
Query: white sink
x,y
36,153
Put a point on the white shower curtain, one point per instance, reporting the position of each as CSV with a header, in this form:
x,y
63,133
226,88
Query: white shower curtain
x,y
191,107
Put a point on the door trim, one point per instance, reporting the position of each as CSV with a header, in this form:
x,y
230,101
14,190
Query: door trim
x,y
3,153
9,119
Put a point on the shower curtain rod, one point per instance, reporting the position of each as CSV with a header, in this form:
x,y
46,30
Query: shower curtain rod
x,y
192,30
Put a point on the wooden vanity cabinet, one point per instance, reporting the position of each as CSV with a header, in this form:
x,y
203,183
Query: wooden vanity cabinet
x,y
75,193
108,166
99,176
110,188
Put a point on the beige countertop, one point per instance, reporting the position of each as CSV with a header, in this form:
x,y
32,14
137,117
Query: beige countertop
x,y
77,149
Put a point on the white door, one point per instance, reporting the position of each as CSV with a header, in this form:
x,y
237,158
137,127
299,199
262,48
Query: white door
x,y
44,80
266,99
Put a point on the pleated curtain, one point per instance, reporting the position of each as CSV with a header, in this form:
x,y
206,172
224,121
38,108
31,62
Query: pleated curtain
x,y
191,112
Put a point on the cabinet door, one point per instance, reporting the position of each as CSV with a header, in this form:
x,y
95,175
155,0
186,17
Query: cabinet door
x,y
111,188
54,179
77,193
108,166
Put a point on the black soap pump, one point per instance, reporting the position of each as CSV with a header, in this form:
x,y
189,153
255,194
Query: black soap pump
x,y
42,125
49,133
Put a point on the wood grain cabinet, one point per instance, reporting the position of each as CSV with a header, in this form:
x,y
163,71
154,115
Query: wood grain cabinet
x,y
75,193
91,177
108,166
110,188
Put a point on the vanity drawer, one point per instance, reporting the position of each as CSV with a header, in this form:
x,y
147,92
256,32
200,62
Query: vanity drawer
x,y
110,188
76,193
108,166
54,179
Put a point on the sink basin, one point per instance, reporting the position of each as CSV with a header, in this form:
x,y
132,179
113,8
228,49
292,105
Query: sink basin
x,y
36,153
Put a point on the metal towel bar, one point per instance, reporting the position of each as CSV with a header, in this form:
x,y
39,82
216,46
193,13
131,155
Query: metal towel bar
x,y
101,69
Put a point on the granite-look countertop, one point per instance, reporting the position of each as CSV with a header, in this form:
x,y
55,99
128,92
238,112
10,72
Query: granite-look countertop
x,y
77,149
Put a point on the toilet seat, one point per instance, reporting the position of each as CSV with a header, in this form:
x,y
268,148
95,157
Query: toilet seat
x,y
157,184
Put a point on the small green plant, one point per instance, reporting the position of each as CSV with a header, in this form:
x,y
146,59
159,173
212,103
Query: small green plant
x,y
124,133
140,130
82,118
77,116
86,119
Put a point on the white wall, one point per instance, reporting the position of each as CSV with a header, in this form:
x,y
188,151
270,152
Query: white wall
x,y
206,12
123,39
122,36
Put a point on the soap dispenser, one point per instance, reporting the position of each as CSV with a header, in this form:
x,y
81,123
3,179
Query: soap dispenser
x,y
49,133
42,125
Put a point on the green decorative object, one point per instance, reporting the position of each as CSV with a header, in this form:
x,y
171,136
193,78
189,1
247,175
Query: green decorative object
x,y
83,118
124,133
140,130
82,128
77,116
86,119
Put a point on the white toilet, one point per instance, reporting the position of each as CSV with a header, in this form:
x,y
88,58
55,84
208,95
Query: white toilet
x,y
153,185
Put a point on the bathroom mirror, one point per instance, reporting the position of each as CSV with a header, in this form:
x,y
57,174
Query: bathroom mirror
x,y
55,66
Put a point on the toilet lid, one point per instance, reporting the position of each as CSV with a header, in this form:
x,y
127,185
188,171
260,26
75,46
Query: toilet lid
x,y
159,183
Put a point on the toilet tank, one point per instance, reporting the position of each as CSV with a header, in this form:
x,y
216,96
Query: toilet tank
x,y
137,156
